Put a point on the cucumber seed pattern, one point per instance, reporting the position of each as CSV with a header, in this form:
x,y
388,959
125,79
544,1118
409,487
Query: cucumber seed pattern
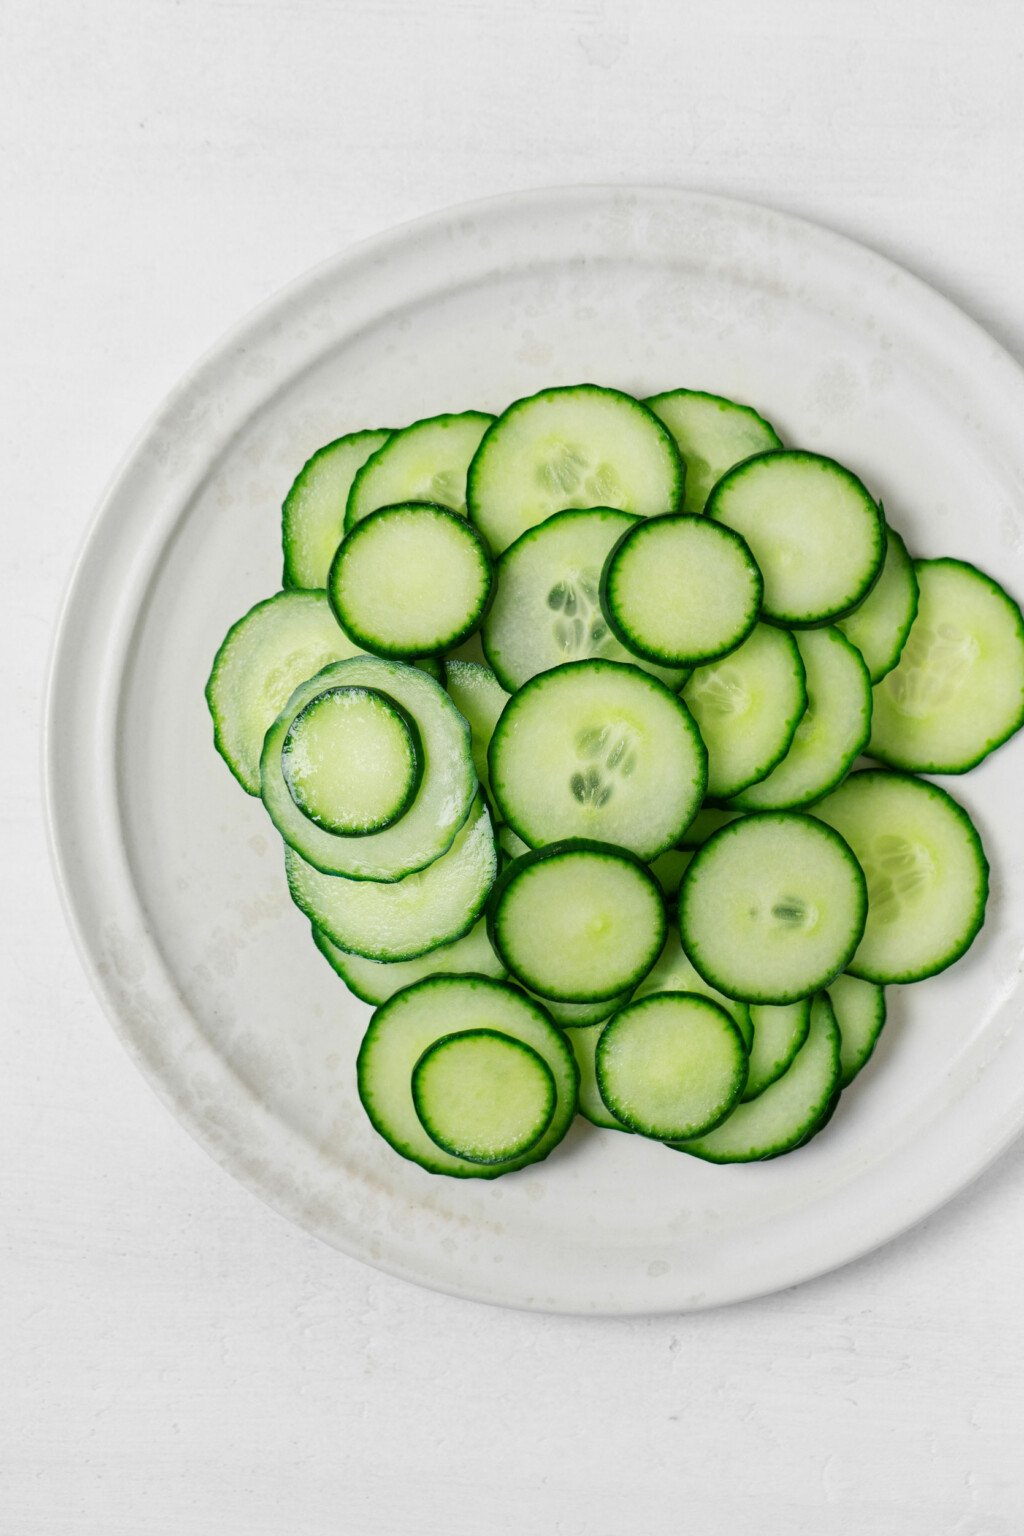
x,y
934,666
609,754
895,868
568,472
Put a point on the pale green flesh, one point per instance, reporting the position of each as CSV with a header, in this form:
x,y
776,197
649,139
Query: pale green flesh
x,y
313,515
479,699
425,462
712,434
671,1066
263,659
747,707
374,981
400,1033
772,908
832,731
879,627
510,843
405,918
591,1105
349,761
958,689
779,1118
926,873
578,447
483,1095
441,803
598,751
673,972
575,1016
778,1034
860,1013
547,608
814,531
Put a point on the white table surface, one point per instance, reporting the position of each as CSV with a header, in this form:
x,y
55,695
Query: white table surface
x,y
176,1358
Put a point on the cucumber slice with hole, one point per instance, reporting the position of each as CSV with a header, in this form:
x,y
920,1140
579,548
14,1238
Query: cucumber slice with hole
x,y
674,972
352,761
880,625
374,981
479,699
483,1096
578,446
779,1032
712,434
927,874
427,461
748,707
860,1013
591,1105
313,515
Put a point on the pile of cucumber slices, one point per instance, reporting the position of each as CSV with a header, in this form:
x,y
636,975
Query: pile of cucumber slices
x,y
558,715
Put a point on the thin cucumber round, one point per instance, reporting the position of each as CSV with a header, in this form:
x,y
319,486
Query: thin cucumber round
x,y
424,462
829,735
815,532
410,580
772,907
577,922
479,699
591,1105
547,608
412,1021
957,692
860,1013
374,981
748,707
406,918
483,1096
313,515
880,625
789,1111
598,750
712,434
674,972
681,590
779,1032
352,760
671,1066
927,874
579,446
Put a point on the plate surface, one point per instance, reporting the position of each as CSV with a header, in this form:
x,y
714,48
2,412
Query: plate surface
x,y
174,879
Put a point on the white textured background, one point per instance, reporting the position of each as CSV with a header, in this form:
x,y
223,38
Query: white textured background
x,y
175,1359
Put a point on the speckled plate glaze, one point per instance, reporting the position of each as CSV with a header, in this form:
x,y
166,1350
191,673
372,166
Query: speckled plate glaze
x,y
174,880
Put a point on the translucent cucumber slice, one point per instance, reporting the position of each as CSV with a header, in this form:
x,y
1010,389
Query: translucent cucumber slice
x,y
352,761
427,461
313,515
674,972
880,625
483,1096
479,699
712,434
591,1105
778,1035
374,981
860,1013
748,707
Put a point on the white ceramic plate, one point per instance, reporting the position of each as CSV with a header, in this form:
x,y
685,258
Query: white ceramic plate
x,y
174,879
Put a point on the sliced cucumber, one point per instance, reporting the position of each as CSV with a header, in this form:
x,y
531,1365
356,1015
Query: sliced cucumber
x,y
708,820
406,918
578,922
712,434
778,1035
927,874
547,609
483,1096
313,515
580,446
412,1021
425,462
352,760
860,1013
479,699
832,731
789,1111
680,590
772,907
442,801
598,750
880,626
958,690
374,981
410,580
264,657
575,1016
748,707
813,529
591,1105
673,972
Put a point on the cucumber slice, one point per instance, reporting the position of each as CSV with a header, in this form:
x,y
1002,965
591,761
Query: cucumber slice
x,y
263,658
412,1021
410,580
424,462
778,1035
578,922
670,867
813,529
833,730
927,874
748,707
671,1066
575,1016
479,699
788,1112
958,690
680,590
483,1096
880,626
374,981
405,918
595,749
578,446
674,972
772,907
442,802
591,1105
352,761
313,515
712,434
547,609
860,1013
708,820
